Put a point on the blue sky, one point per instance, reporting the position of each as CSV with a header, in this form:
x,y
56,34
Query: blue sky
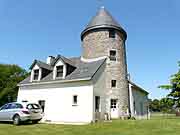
x,y
35,29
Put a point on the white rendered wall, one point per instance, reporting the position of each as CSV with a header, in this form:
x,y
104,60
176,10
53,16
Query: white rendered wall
x,y
100,90
140,110
59,101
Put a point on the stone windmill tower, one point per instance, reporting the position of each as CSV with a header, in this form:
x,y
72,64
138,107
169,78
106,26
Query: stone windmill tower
x,y
104,37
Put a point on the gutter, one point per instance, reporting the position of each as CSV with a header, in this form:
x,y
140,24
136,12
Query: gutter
x,y
58,81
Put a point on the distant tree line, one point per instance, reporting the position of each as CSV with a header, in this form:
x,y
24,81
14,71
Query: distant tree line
x,y
10,76
165,105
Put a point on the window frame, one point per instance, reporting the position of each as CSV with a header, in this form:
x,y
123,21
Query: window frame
x,y
97,103
113,103
59,71
112,34
114,56
75,100
113,83
36,74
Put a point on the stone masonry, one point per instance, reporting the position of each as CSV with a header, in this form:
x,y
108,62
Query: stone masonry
x,y
96,43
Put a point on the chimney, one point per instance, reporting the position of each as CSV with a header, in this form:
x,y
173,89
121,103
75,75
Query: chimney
x,y
50,59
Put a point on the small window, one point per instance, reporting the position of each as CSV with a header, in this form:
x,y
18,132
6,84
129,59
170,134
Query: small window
x,y
59,71
113,103
19,106
113,83
112,34
36,74
97,103
134,104
142,108
75,99
112,55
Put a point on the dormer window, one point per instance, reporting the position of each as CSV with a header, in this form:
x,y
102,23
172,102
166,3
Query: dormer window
x,y
59,71
36,74
112,55
112,34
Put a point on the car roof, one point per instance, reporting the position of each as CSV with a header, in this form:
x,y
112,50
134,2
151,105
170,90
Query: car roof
x,y
24,104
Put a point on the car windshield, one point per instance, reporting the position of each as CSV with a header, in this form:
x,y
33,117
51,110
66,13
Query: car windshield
x,y
33,106
4,107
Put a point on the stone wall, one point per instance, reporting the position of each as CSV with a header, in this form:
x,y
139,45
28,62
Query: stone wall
x,y
98,44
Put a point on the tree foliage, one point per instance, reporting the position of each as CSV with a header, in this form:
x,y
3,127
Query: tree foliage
x,y
154,105
164,105
10,76
174,86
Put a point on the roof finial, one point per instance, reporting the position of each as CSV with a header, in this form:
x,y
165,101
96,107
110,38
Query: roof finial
x,y
100,2
102,7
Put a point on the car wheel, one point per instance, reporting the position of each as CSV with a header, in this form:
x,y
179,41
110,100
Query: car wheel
x,y
35,121
16,120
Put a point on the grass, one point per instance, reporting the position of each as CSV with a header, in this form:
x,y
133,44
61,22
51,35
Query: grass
x,y
156,126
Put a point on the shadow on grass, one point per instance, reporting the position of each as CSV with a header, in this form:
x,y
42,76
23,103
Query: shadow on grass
x,y
27,123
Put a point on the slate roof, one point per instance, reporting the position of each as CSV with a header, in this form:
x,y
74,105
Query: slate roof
x,y
41,64
64,59
103,19
83,70
138,87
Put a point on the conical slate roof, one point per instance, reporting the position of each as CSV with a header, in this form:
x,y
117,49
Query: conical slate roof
x,y
103,19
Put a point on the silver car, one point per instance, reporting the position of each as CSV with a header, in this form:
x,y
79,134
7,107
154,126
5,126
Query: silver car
x,y
19,112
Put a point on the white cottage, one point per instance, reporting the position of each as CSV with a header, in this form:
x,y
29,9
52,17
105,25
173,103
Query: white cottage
x,y
87,88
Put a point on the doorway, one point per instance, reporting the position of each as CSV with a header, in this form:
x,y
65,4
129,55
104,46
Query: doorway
x,y
114,108
42,104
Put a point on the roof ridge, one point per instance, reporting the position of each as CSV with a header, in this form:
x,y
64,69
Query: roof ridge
x,y
41,64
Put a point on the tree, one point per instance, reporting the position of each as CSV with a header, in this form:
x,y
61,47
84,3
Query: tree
x,y
166,105
10,76
154,105
174,86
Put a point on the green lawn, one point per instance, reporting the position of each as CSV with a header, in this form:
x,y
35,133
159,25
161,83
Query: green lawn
x,y
155,126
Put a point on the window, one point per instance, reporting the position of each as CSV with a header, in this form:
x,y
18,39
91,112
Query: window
x,y
113,83
4,107
112,55
75,99
19,106
33,106
113,103
134,106
112,34
59,71
36,74
142,112
97,103
15,106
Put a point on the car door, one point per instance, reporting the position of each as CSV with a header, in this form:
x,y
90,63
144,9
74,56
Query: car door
x,y
3,111
10,111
